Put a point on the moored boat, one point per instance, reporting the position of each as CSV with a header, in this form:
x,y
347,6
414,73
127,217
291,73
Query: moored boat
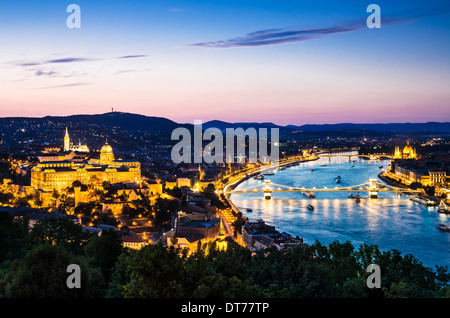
x,y
443,207
422,200
444,227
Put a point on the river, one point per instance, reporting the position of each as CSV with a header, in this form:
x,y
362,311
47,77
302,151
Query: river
x,y
391,221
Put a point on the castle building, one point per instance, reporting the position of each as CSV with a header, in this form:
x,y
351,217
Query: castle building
x,y
59,175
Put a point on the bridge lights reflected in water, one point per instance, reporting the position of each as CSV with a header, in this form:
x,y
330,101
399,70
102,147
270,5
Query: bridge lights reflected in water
x,y
391,221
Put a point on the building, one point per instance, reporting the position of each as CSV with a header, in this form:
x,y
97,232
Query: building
x,y
407,153
425,172
221,243
68,146
60,175
133,241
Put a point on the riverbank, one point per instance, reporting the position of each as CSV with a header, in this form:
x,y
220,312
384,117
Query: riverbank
x,y
382,176
252,174
286,238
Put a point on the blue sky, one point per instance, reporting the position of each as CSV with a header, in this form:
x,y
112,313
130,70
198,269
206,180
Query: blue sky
x,y
161,58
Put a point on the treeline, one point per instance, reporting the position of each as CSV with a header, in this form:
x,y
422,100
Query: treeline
x,y
34,263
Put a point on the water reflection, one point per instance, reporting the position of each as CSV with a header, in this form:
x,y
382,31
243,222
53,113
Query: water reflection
x,y
392,221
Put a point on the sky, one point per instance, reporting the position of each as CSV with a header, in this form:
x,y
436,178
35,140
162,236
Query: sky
x,y
286,62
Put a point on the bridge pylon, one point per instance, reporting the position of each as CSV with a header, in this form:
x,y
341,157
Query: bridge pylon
x,y
267,190
373,188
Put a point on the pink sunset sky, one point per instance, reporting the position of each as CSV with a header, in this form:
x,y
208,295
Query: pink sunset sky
x,y
147,65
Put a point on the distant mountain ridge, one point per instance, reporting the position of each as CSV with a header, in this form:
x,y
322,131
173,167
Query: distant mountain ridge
x,y
130,121
392,127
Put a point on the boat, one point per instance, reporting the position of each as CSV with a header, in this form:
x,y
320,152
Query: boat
x,y
351,196
358,198
443,227
309,194
422,200
310,207
312,169
443,207
338,179
269,173
259,177
380,167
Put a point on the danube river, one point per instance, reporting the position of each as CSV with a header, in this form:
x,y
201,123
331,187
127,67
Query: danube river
x,y
391,221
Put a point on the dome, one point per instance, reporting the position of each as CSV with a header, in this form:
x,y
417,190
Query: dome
x,y
408,149
106,149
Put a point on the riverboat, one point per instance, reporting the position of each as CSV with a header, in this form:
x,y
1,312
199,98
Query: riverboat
x,y
423,201
443,207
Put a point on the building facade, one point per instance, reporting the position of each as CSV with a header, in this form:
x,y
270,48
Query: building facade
x,y
60,175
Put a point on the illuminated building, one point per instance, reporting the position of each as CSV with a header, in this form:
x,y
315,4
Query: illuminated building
x,y
68,146
407,153
66,141
60,175
407,169
221,243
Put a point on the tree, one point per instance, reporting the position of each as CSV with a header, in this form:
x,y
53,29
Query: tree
x,y
106,185
156,272
164,208
103,251
41,273
120,276
14,239
60,231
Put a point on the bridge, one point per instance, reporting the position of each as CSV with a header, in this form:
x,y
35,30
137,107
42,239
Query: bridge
x,y
372,186
350,156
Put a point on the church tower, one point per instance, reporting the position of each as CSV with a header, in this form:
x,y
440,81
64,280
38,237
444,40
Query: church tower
x,y
66,141
221,243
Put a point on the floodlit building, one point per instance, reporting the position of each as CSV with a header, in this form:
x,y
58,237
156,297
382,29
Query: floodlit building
x,y
59,175
407,153
69,146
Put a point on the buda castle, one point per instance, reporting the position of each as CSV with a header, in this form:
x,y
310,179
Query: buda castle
x,y
59,175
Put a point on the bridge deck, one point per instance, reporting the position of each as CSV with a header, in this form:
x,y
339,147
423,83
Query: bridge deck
x,y
325,190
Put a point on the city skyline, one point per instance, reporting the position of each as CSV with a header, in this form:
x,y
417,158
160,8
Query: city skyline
x,y
186,61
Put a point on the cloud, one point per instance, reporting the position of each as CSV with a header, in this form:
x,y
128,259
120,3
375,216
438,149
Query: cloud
x,y
130,71
44,73
55,61
72,60
131,56
64,85
69,60
301,34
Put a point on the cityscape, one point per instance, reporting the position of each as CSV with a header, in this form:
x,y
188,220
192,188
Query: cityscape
x,y
329,183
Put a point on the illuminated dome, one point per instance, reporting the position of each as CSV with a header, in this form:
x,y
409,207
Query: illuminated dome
x,y
106,149
408,149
